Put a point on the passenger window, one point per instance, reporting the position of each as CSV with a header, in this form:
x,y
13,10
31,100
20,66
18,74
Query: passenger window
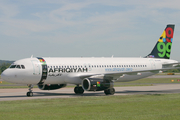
x,y
22,66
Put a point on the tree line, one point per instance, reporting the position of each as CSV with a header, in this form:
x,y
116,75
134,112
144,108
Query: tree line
x,y
4,66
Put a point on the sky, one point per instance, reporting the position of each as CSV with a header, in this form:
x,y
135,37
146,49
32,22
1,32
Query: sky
x,y
85,28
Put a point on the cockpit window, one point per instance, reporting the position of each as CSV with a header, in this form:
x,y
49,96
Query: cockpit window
x,y
23,67
17,66
12,66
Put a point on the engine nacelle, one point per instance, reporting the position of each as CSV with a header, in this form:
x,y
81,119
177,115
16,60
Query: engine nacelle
x,y
96,84
51,87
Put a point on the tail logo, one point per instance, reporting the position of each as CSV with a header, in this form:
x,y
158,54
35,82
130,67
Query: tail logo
x,y
165,42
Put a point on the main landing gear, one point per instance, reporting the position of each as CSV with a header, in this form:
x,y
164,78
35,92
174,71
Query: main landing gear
x,y
30,93
78,90
109,91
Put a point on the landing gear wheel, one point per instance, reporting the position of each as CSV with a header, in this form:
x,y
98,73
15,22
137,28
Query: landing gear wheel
x,y
109,91
78,90
29,94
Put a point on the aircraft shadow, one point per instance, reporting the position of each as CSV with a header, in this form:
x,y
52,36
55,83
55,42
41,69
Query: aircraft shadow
x,y
67,94
130,92
148,92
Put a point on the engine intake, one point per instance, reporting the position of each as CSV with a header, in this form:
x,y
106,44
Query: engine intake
x,y
51,87
96,84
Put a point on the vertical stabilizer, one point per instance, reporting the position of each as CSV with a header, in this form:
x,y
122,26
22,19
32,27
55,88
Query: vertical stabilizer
x,y
162,48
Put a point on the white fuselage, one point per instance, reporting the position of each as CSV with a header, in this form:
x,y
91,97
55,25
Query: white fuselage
x,y
73,70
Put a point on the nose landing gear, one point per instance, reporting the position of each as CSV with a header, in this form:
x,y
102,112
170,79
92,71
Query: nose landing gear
x,y
30,93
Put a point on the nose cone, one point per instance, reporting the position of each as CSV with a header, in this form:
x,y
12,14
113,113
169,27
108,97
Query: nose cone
x,y
5,75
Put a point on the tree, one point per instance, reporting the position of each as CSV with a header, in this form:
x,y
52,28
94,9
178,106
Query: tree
x,y
4,66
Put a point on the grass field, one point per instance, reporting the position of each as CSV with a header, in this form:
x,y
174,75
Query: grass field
x,y
153,80
130,107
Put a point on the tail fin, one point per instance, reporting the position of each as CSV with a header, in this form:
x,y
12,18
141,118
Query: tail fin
x,y
162,48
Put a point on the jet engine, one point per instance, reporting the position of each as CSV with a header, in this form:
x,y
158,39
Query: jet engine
x,y
51,87
96,84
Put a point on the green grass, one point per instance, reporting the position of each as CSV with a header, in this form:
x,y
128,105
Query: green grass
x,y
154,80
146,82
6,83
136,107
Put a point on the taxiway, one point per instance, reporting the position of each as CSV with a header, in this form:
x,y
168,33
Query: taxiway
x,y
20,94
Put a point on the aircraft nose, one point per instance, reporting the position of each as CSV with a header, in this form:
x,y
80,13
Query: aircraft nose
x,y
5,75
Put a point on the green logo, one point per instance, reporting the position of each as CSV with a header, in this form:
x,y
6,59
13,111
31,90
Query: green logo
x,y
164,49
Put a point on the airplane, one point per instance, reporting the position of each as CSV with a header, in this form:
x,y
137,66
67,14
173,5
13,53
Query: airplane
x,y
91,74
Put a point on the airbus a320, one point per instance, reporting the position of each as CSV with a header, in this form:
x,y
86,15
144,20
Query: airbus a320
x,y
91,74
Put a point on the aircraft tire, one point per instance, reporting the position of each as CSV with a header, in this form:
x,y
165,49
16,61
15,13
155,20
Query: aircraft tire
x,y
29,94
78,90
109,91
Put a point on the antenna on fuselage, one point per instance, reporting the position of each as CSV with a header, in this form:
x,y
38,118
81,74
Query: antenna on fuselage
x,y
31,56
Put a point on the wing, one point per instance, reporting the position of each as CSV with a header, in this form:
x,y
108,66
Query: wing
x,y
115,75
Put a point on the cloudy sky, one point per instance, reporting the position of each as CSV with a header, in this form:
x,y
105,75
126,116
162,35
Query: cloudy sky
x,y
88,28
